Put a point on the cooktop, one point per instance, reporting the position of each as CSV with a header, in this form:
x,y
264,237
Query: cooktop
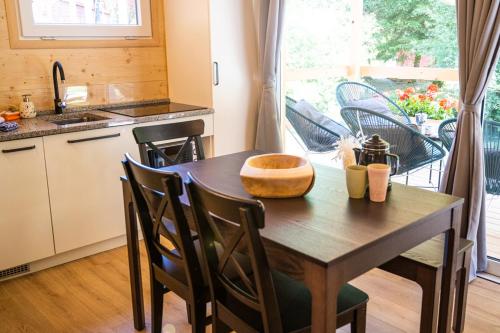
x,y
152,109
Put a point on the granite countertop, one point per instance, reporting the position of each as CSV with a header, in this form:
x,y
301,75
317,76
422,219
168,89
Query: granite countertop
x,y
42,126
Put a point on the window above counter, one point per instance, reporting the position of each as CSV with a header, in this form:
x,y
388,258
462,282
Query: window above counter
x,y
84,23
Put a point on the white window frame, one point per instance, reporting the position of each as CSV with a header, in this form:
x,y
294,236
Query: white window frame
x,y
31,30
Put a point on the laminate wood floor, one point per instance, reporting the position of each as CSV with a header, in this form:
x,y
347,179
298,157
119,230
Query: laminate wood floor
x,y
93,295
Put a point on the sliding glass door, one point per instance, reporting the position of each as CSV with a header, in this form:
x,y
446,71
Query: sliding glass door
x,y
492,171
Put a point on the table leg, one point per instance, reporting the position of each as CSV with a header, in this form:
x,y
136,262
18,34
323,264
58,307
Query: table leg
x,y
134,262
449,272
324,286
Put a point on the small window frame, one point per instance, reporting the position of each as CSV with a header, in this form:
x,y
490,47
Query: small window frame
x,y
22,35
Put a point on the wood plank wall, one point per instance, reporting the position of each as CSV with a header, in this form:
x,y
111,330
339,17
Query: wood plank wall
x,y
111,74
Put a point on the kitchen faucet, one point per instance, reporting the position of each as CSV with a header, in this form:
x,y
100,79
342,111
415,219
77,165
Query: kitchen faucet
x,y
59,105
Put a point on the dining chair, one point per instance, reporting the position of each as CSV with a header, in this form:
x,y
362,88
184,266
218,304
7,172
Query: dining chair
x,y
360,95
491,135
262,300
172,254
318,132
156,156
446,132
413,148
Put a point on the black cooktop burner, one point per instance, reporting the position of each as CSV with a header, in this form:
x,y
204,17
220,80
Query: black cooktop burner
x,y
152,109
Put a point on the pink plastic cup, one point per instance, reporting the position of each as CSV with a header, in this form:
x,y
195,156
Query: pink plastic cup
x,y
378,180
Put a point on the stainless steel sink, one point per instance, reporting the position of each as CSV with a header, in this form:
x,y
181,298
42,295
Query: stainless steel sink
x,y
71,119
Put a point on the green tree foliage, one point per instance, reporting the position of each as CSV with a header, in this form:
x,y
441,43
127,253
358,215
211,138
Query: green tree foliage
x,y
493,96
419,27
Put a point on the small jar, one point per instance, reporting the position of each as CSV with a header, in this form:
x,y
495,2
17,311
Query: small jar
x,y
27,108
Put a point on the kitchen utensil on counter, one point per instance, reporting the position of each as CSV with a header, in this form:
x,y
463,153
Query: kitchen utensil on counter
x,y
277,176
356,180
376,150
27,107
378,179
8,126
10,116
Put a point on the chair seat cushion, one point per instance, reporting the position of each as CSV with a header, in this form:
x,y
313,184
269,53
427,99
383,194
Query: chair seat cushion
x,y
295,303
310,112
375,104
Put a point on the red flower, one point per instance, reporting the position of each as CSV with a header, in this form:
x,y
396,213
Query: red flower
x,y
430,95
443,102
422,97
404,97
433,88
409,90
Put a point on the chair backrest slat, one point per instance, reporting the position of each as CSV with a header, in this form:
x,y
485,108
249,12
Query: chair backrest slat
x,y
147,136
216,213
352,93
155,194
413,148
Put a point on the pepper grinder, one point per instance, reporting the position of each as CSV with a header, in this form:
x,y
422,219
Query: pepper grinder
x,y
27,108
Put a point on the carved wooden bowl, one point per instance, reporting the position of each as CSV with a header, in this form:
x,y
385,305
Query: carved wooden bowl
x,y
277,176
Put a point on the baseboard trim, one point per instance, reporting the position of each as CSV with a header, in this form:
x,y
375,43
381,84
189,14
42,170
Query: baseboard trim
x,y
72,255
493,267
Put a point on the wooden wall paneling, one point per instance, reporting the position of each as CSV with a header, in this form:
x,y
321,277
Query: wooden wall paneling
x,y
140,72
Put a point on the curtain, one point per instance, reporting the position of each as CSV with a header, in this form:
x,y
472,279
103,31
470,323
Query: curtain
x,y
478,25
271,17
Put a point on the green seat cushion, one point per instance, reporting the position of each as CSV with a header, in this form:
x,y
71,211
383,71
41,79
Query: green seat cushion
x,y
295,302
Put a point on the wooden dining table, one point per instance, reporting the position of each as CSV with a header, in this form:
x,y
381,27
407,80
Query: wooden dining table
x,y
325,238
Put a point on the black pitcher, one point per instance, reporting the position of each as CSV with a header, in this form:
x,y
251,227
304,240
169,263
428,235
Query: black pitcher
x,y
376,150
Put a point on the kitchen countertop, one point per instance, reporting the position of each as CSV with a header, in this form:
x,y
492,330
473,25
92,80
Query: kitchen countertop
x,y
41,125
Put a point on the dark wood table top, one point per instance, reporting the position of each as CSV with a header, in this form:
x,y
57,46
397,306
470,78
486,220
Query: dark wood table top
x,y
325,225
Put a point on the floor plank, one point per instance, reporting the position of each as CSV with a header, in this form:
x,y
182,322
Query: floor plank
x,y
93,295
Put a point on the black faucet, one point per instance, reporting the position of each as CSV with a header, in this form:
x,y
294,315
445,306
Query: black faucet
x,y
59,105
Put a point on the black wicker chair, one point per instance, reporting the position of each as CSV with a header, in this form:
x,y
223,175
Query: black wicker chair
x,y
360,95
491,134
318,132
447,131
414,149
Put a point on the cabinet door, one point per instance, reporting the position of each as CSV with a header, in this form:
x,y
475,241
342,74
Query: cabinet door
x,y
25,226
84,170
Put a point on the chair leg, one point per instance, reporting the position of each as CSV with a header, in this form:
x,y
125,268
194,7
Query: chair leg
x,y
461,294
198,317
430,281
157,291
188,310
407,177
358,324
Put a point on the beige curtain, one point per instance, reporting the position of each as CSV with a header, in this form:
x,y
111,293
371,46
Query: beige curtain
x,y
271,19
478,23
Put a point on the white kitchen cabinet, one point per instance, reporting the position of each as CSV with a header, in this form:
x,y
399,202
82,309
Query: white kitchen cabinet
x,y
25,224
212,60
83,171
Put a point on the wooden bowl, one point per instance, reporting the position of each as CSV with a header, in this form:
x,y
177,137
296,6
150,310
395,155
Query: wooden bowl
x,y
277,176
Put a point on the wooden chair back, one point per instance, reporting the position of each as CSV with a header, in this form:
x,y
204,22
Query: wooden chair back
x,y
213,213
146,137
156,195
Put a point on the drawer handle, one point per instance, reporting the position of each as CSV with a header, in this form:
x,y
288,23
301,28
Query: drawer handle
x,y
95,138
15,150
